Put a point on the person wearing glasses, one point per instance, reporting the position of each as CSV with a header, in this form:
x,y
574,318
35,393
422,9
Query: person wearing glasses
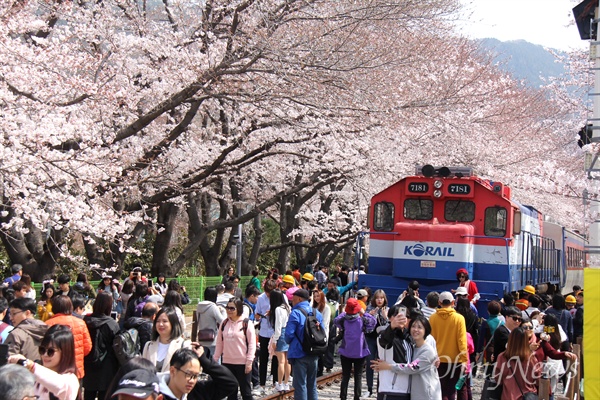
x,y
28,332
16,383
236,342
56,376
513,319
462,275
167,338
184,372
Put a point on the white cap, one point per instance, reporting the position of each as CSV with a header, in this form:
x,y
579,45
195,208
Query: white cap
x,y
446,297
461,290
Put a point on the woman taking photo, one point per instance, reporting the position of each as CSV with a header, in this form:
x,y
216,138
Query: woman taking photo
x,y
516,368
278,317
166,339
56,377
425,383
101,363
236,342
44,308
552,340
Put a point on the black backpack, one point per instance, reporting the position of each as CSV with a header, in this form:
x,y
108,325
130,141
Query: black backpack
x,y
99,350
315,338
126,345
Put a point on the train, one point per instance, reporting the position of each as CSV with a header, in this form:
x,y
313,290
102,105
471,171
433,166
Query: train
x,y
428,226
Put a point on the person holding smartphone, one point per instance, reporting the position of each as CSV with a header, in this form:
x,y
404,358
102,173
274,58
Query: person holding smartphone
x,y
394,347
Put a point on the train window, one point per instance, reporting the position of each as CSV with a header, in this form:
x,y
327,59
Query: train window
x,y
495,221
459,211
383,216
421,209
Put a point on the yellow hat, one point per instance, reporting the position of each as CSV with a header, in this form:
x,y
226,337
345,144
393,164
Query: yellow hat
x,y
570,299
289,279
308,277
529,289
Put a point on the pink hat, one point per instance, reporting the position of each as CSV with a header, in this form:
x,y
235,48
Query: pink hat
x,y
290,292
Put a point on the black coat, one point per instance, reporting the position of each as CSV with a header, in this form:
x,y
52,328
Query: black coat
x,y
500,340
221,383
99,374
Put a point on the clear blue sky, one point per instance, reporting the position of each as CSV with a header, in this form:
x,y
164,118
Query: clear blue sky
x,y
549,23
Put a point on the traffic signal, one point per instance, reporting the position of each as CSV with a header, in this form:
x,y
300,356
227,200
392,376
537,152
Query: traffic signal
x,y
585,135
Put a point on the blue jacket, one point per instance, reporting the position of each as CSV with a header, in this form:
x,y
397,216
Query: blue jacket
x,y
294,330
341,289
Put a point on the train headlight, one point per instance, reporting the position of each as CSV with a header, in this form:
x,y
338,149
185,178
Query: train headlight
x,y
437,193
437,184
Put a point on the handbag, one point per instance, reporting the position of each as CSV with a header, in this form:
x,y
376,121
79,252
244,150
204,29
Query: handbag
x,y
491,390
206,335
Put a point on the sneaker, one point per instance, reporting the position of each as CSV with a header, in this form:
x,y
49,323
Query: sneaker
x,y
286,387
258,391
278,387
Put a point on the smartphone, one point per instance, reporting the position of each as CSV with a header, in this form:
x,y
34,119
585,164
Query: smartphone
x,y
113,315
402,310
150,283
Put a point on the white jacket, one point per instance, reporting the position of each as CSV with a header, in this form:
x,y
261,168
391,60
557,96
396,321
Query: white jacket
x,y
151,351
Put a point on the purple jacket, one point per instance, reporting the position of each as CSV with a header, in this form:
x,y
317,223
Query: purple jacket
x,y
354,344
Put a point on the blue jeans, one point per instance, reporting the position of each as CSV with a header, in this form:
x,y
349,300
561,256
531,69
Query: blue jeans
x,y
305,377
372,344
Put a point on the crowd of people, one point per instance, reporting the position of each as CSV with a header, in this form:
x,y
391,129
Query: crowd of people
x,y
290,324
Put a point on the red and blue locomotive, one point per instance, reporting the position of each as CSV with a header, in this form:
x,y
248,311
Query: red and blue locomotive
x,y
428,226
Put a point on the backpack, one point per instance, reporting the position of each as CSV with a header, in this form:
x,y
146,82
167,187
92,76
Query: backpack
x,y
334,307
126,345
99,350
315,339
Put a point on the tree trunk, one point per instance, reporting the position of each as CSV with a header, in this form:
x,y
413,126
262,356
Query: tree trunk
x,y
166,218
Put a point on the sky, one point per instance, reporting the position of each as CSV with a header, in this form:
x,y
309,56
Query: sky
x,y
549,23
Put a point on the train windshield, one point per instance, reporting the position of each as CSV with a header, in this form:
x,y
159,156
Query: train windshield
x,y
383,216
459,211
420,209
495,221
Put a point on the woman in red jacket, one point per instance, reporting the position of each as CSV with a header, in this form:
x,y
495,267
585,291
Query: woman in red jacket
x,y
62,309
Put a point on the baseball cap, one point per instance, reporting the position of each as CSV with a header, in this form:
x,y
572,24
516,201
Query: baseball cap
x,y
462,291
362,293
302,293
138,383
446,297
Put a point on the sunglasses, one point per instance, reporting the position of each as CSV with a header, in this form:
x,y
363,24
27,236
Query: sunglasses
x,y
517,319
527,328
50,351
230,308
315,291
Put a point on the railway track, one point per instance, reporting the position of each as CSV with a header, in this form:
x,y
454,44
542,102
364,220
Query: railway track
x,y
322,383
